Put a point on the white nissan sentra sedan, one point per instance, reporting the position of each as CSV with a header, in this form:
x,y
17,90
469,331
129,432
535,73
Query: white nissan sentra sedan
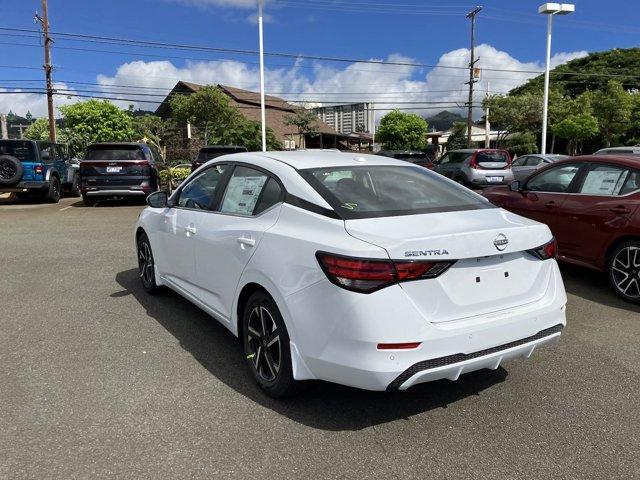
x,y
355,269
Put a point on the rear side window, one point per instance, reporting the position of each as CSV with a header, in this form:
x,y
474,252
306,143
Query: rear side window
x,y
271,195
23,151
455,157
114,153
200,192
556,179
385,191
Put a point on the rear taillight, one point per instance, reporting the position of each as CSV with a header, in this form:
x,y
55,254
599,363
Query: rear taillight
x,y
546,251
38,169
368,275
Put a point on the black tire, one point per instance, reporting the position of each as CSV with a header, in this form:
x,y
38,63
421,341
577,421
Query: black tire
x,y
623,268
146,265
11,170
88,201
266,346
75,186
54,192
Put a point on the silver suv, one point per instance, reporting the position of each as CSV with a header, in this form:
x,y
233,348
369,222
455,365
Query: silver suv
x,y
476,168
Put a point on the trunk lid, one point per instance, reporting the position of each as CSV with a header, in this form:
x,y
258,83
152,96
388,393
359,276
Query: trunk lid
x,y
97,168
492,270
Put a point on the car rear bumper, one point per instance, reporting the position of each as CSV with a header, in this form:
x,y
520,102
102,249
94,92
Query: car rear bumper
x,y
26,186
335,336
116,192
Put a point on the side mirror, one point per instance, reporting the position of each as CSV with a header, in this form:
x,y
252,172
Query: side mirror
x,y
158,199
515,186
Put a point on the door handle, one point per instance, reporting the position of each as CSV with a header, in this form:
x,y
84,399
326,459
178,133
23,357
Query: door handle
x,y
246,242
551,204
190,230
620,209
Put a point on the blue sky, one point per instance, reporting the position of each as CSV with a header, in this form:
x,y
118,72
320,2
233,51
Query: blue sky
x,y
510,32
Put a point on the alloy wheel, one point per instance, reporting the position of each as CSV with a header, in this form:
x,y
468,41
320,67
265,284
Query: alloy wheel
x,y
263,338
145,263
625,271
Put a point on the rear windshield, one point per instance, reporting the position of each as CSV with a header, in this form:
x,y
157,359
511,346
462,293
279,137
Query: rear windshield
x,y
411,157
386,191
114,153
206,155
23,151
492,157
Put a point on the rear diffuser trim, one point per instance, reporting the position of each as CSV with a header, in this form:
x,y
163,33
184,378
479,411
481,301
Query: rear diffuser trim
x,y
461,357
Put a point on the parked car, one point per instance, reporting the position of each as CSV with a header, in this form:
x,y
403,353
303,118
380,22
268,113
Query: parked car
x,y
591,205
37,170
360,270
214,151
118,170
413,156
476,168
619,151
527,164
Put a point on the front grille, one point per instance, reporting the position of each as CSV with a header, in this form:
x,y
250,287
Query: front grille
x,y
460,357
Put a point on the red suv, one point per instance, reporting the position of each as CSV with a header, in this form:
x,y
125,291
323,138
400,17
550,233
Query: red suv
x,y
591,204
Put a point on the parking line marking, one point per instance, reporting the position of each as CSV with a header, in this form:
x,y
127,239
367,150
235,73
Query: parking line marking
x,y
65,208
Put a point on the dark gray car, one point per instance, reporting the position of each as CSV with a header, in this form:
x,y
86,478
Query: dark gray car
x,y
527,164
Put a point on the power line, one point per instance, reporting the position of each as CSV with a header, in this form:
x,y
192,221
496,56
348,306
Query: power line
x,y
166,45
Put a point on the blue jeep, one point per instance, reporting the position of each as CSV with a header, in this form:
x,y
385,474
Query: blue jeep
x,y
37,170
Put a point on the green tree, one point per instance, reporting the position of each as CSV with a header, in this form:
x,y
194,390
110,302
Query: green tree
x,y
458,137
210,110
515,113
305,121
575,129
402,131
612,109
94,121
38,130
521,143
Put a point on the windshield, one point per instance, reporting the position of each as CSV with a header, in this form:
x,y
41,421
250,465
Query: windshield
x,y
114,153
496,156
23,151
386,191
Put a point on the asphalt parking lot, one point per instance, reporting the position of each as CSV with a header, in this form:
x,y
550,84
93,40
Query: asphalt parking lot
x,y
98,379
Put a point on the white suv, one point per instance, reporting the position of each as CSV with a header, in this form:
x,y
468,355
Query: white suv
x,y
356,269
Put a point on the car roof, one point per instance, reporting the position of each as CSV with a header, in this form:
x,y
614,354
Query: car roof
x,y
616,159
117,144
316,158
631,149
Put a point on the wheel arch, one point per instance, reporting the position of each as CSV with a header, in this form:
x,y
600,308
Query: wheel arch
x,y
243,297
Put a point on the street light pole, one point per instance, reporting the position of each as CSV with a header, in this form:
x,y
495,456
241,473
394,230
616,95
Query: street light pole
x,y
262,107
545,100
550,9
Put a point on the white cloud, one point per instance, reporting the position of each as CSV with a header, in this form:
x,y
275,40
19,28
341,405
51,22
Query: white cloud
x,y
21,102
385,85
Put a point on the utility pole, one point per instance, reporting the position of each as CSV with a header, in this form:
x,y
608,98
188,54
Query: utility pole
x,y
472,15
487,125
44,21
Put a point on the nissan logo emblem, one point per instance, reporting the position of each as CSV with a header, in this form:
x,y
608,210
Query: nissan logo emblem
x,y
501,242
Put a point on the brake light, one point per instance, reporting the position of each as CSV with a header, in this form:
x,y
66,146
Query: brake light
x,y
368,275
473,163
398,346
38,169
546,251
